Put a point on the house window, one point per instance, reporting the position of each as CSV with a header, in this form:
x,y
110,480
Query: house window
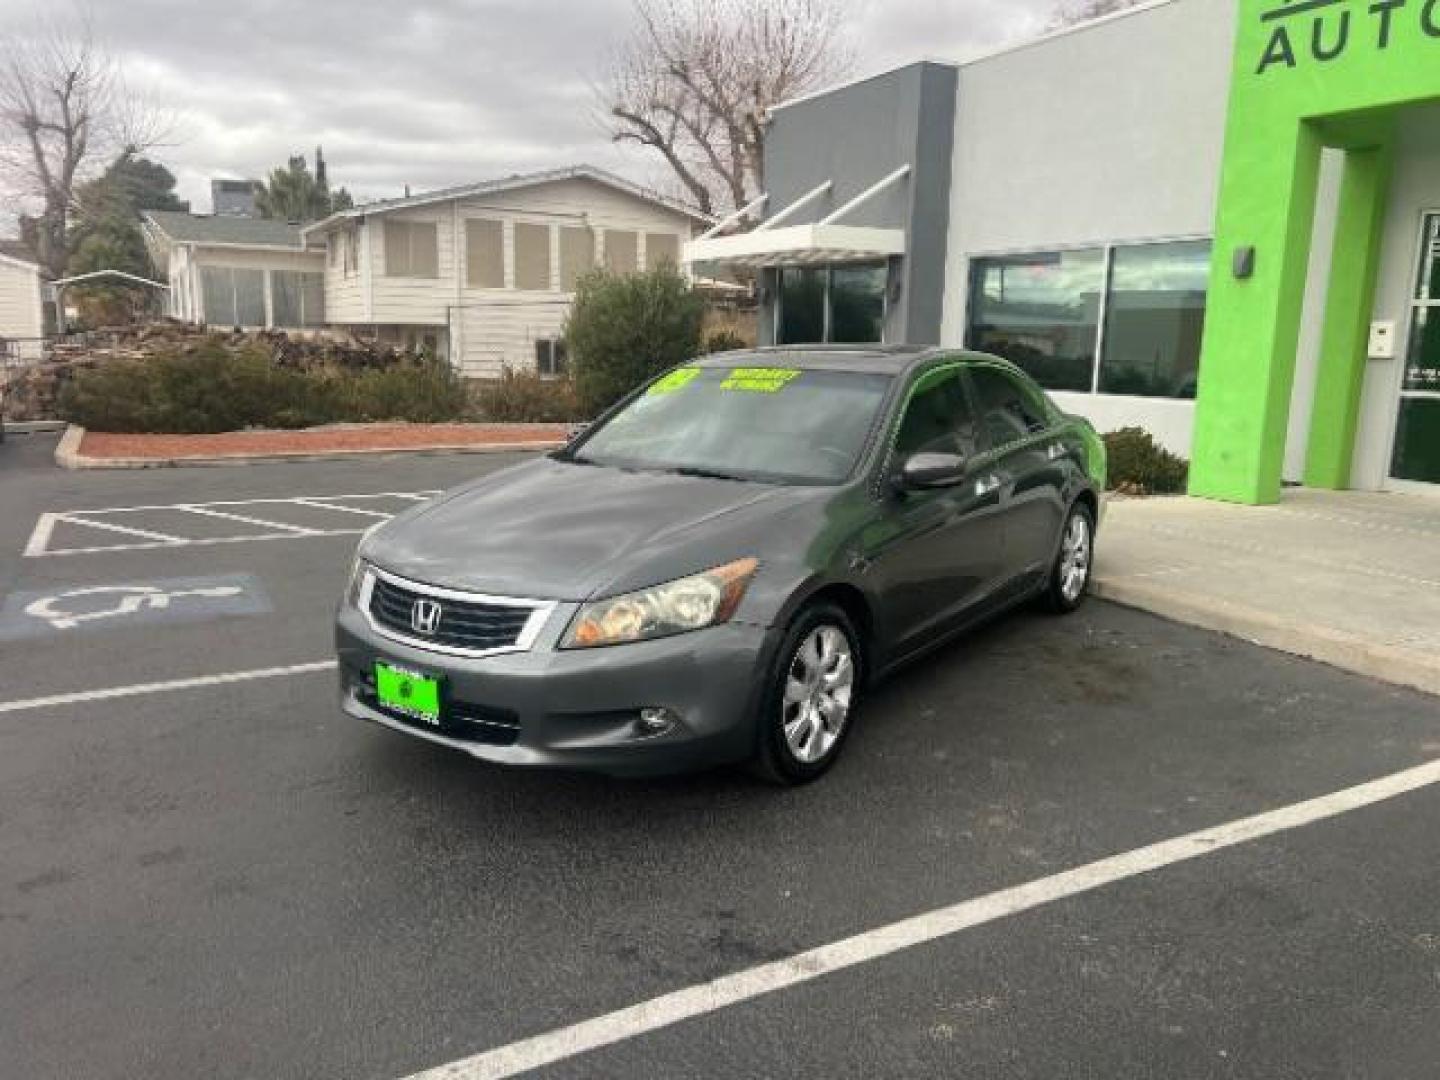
x,y
352,252
334,242
412,249
621,254
842,304
661,247
1043,311
233,297
532,256
484,253
577,255
550,358
297,299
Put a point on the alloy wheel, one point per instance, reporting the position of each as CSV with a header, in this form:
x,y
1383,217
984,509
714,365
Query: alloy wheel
x,y
819,688
1075,552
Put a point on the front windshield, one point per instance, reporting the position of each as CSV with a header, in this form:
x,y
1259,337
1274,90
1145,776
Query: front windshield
x,y
750,423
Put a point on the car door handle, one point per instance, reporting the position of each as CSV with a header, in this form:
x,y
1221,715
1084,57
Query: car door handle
x,y
987,485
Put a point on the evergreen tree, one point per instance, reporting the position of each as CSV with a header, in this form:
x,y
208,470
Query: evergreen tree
x,y
294,193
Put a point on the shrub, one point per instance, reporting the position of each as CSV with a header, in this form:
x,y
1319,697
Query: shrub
x,y
524,397
624,329
1141,466
210,388
724,341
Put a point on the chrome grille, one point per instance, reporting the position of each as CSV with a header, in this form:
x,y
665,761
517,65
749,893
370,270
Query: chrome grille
x,y
465,624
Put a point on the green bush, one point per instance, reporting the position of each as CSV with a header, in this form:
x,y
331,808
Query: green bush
x,y
724,341
1141,466
210,388
523,397
624,329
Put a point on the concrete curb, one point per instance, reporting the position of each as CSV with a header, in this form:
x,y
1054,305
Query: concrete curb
x,y
1402,667
68,456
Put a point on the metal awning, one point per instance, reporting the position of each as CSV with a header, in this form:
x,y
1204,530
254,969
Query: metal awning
x,y
797,245
817,244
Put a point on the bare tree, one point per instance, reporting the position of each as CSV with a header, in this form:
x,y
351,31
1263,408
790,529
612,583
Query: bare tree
x,y
65,113
1071,12
698,78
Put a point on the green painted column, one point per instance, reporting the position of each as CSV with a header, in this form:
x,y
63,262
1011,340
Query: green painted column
x,y
1267,201
1349,302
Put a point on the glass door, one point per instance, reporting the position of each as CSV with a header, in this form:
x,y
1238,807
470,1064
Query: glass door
x,y
1417,436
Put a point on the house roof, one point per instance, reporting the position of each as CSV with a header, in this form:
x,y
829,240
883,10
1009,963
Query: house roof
x,y
18,251
185,228
511,183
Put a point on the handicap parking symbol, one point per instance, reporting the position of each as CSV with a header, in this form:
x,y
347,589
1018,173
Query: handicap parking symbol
x,y
58,611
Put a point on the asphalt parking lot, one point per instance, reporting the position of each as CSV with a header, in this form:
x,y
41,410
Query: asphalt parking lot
x,y
226,878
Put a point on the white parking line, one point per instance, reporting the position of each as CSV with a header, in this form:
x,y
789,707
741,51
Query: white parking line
x,y
223,515
110,526
166,687
102,519
704,998
320,505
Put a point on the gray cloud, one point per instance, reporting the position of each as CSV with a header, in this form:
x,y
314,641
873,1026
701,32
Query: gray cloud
x,y
435,92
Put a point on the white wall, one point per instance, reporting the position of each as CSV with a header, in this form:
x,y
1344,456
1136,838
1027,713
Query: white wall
x,y
1111,133
21,313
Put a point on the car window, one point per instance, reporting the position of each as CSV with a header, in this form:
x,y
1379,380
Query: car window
x,y
938,420
1008,409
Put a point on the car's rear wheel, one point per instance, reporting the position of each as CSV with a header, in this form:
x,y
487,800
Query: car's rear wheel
x,y
1069,582
810,699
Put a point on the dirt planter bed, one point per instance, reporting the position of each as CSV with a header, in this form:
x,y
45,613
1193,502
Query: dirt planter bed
x,y
81,449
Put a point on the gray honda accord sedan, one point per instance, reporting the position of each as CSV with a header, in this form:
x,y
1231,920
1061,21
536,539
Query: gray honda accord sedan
x,y
717,568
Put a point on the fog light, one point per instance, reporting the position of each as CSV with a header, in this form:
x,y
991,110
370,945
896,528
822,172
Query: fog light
x,y
656,721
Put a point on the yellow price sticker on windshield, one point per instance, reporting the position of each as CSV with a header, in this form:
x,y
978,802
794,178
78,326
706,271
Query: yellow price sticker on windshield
x,y
676,380
759,380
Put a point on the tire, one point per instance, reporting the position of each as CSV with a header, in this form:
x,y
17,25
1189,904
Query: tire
x,y
1069,581
791,748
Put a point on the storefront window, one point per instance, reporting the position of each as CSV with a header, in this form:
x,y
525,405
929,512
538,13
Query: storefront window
x,y
840,304
857,304
1417,440
1155,317
1041,312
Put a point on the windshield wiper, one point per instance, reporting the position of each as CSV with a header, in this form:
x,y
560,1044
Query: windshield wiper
x,y
706,474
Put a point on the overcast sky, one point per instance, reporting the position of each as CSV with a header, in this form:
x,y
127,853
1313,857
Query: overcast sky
x,y
432,92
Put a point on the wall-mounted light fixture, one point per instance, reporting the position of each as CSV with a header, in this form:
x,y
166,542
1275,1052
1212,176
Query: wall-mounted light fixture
x,y
1243,263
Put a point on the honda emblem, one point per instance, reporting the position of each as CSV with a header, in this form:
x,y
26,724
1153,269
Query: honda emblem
x,y
425,617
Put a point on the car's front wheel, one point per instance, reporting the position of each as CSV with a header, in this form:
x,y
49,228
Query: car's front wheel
x,y
811,697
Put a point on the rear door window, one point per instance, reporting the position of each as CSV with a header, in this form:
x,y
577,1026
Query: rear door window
x,y
1009,410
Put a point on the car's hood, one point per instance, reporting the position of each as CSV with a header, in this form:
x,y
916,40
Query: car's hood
x,y
559,531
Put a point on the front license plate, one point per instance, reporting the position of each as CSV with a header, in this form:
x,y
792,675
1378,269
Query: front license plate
x,y
408,693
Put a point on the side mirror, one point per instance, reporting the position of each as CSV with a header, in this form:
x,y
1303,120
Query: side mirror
x,y
926,472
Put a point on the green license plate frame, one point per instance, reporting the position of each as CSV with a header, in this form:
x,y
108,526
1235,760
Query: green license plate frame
x,y
410,693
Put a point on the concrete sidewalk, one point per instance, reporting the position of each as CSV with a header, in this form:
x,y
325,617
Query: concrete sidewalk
x,y
1348,578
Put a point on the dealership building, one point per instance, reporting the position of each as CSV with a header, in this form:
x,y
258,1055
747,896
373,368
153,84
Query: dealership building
x,y
1218,220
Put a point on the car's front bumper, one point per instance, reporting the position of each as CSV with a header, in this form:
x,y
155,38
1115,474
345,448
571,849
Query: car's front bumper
x,y
577,708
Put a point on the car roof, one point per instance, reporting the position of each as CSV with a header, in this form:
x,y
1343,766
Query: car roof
x,y
863,359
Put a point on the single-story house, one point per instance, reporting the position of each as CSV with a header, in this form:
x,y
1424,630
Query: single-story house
x,y
484,274
26,316
237,271
1215,219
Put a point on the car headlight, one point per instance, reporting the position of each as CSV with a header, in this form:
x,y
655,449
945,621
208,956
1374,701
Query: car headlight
x,y
676,607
